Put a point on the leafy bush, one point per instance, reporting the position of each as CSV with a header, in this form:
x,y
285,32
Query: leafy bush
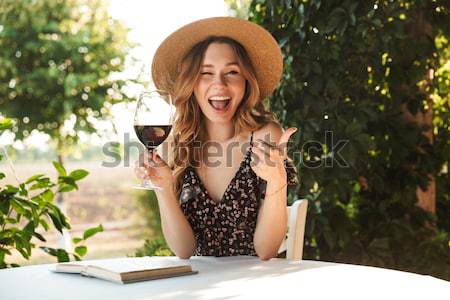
x,y
155,247
373,76
29,206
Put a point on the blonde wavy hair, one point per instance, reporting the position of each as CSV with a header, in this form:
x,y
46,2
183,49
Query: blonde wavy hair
x,y
189,129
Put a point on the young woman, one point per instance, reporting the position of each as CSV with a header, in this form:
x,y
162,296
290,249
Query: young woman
x,y
224,182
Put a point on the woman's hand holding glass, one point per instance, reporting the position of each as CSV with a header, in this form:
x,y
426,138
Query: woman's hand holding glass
x,y
152,123
151,166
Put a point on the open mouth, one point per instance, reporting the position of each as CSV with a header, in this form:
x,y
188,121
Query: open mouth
x,y
220,103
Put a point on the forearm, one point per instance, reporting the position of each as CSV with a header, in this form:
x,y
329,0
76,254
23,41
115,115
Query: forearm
x,y
176,229
272,221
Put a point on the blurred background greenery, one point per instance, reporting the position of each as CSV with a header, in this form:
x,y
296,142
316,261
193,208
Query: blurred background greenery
x,y
375,73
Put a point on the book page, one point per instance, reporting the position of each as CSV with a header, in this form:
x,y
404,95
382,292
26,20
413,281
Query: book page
x,y
132,264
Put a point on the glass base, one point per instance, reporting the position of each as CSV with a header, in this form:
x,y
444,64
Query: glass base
x,y
147,185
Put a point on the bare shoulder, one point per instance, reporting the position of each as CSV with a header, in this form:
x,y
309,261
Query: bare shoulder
x,y
272,132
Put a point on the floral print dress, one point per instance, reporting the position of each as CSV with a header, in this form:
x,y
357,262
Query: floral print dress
x,y
226,228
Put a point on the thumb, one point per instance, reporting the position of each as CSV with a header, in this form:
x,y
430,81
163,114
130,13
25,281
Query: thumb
x,y
286,136
157,159
284,139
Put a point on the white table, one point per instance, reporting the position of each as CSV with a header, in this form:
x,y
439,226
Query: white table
x,y
232,278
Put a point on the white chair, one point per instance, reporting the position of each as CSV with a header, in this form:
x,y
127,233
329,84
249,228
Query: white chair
x,y
293,243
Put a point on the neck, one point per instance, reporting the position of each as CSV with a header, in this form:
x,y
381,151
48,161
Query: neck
x,y
219,132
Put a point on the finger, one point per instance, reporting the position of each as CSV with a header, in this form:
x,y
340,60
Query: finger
x,y
159,162
268,145
141,173
149,163
273,152
284,139
286,135
261,150
272,157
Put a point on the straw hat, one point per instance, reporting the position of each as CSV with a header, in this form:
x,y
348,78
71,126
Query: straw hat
x,y
262,48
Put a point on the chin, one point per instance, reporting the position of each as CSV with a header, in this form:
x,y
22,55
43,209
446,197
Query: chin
x,y
219,120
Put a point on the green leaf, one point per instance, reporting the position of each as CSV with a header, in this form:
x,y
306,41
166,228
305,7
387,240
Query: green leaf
x,y
44,224
92,231
78,174
34,177
59,168
11,189
7,241
56,222
5,124
23,191
2,175
60,254
64,188
29,229
61,216
81,250
41,184
77,240
39,236
4,206
67,180
18,207
22,245
11,221
48,195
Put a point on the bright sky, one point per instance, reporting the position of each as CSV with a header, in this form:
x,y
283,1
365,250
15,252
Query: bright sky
x,y
150,22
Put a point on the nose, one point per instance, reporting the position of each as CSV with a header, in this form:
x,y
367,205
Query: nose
x,y
219,80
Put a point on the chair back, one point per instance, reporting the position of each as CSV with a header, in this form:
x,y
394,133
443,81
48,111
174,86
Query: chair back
x,y
293,243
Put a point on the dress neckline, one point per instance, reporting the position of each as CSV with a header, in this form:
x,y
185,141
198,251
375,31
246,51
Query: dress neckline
x,y
232,181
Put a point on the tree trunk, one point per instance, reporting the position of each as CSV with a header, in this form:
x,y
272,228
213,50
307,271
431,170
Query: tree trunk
x,y
421,28
427,198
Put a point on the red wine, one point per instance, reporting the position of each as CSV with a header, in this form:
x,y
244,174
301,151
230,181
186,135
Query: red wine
x,y
152,135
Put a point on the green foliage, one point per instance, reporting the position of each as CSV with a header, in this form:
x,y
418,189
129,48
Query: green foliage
x,y
56,62
147,203
79,251
149,210
238,8
362,70
29,206
155,247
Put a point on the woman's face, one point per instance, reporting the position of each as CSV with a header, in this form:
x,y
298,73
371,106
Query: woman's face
x,y
220,87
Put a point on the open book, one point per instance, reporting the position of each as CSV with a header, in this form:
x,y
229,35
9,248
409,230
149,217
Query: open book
x,y
126,270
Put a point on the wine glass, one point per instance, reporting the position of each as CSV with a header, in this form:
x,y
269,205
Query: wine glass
x,y
152,123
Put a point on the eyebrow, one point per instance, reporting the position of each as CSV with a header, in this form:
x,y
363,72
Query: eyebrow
x,y
228,64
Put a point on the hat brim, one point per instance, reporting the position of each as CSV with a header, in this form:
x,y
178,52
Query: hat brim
x,y
262,48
